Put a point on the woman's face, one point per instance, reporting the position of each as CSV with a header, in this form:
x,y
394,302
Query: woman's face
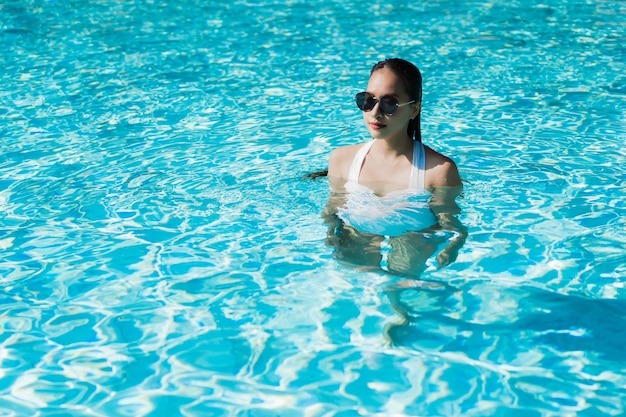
x,y
385,82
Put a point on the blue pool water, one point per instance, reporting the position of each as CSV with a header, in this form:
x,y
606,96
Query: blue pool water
x,y
162,254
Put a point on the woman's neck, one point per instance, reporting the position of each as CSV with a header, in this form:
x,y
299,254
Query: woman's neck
x,y
394,146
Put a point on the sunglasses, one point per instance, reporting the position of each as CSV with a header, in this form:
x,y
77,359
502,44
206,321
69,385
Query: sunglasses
x,y
388,104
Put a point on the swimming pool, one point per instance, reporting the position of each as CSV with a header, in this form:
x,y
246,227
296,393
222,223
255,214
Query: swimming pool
x,y
162,254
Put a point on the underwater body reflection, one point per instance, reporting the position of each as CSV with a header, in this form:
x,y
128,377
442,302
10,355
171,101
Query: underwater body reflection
x,y
406,250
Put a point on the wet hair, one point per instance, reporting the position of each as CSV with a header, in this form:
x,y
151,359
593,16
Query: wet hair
x,y
411,77
316,174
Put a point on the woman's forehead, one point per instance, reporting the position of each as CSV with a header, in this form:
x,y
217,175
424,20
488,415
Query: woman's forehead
x,y
385,81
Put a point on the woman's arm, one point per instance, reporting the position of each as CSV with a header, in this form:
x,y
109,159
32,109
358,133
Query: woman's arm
x,y
444,206
444,182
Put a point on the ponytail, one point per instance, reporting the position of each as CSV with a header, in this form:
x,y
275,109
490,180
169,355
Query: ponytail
x,y
316,174
414,130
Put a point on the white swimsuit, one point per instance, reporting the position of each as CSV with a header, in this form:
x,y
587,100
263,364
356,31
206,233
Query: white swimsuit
x,y
418,167
392,214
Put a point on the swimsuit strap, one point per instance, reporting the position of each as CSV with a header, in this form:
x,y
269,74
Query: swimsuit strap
x,y
357,162
419,167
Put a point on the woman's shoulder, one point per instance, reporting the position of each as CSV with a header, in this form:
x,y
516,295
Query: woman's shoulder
x,y
441,171
435,158
340,160
349,150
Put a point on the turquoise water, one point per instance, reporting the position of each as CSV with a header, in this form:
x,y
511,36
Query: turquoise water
x,y
161,253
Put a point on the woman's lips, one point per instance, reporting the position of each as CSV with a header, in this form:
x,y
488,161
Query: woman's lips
x,y
376,125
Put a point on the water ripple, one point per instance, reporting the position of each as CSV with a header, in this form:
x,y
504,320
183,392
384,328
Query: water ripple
x,y
161,254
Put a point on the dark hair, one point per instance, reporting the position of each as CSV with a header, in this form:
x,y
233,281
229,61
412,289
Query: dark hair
x,y
316,174
412,80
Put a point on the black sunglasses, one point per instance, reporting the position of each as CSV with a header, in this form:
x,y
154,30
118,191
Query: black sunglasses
x,y
388,104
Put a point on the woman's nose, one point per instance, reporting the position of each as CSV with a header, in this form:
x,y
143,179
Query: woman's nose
x,y
376,110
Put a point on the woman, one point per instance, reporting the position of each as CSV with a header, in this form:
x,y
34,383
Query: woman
x,y
392,203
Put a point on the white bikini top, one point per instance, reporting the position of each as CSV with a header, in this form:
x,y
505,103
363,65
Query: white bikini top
x,y
416,181
393,214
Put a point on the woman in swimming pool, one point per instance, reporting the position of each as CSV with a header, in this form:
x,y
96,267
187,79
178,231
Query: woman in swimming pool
x,y
392,204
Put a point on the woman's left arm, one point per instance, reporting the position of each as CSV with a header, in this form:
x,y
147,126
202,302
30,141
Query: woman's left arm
x,y
444,205
446,185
